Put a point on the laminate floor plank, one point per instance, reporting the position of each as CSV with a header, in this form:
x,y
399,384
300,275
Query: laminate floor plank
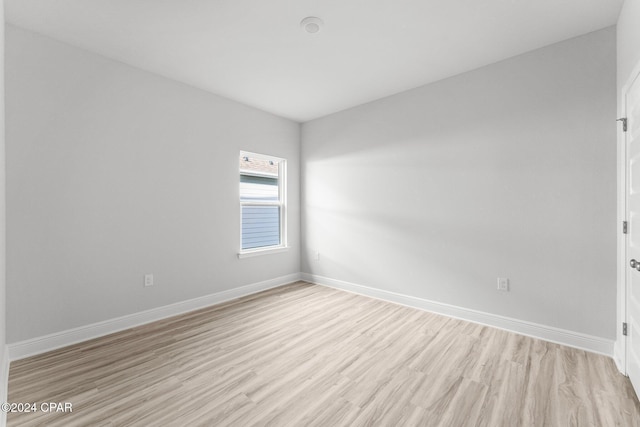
x,y
307,355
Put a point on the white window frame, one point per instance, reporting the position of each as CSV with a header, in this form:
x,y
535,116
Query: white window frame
x,y
282,203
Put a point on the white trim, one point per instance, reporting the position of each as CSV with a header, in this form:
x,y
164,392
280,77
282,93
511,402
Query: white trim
x,y
547,333
4,382
262,251
56,340
619,354
620,349
618,358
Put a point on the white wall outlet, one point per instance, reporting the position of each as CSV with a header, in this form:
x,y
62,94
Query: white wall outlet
x,y
316,255
503,284
148,280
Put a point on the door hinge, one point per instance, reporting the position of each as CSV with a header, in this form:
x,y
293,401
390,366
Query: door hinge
x,y
624,123
625,228
624,329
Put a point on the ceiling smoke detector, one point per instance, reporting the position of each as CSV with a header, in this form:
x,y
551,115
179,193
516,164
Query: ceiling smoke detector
x,y
311,24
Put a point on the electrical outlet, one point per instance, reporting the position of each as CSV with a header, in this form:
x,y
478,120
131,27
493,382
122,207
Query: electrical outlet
x,y
503,284
316,255
148,280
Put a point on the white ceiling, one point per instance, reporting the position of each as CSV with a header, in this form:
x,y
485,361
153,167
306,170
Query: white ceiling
x,y
255,52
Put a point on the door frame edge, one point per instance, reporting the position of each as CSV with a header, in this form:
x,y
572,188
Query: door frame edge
x,y
620,346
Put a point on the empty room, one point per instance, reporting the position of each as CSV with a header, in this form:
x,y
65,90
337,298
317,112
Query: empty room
x,y
327,213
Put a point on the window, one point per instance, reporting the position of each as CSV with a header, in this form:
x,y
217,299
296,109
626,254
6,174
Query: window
x,y
262,203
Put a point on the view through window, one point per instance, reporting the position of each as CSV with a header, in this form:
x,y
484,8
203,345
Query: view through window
x,y
262,201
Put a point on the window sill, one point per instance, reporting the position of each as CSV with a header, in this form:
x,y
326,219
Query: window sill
x,y
262,251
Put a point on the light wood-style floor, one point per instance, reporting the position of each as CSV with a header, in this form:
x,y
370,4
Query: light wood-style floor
x,y
308,355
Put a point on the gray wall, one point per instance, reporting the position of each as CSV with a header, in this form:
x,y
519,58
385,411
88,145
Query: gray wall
x,y
628,40
114,172
508,170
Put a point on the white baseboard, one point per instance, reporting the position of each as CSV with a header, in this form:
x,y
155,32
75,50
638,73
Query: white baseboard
x,y
31,347
4,382
53,341
543,332
618,357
